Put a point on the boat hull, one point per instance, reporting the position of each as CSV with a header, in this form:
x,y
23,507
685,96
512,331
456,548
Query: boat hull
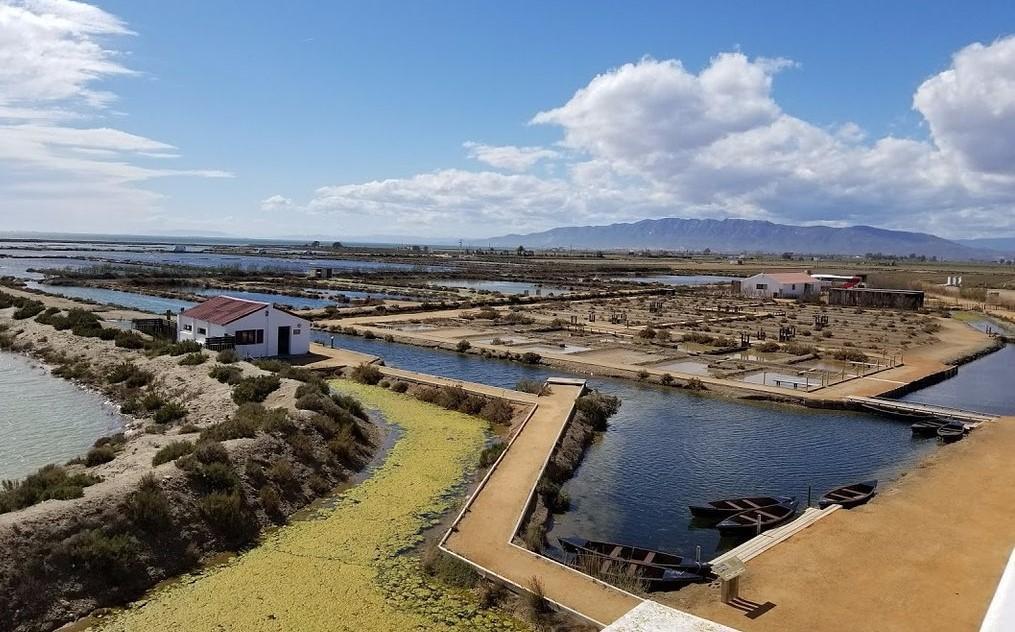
x,y
721,509
745,523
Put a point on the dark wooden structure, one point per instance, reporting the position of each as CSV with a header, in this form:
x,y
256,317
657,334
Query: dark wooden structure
x,y
754,521
875,297
849,495
219,343
719,509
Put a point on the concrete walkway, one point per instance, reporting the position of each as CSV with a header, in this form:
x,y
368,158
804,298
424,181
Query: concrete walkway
x,y
483,533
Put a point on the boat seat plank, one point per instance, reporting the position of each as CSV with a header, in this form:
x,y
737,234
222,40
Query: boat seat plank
x,y
651,556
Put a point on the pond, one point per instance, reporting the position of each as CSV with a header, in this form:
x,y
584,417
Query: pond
x,y
45,419
297,302
504,287
132,300
679,279
668,448
19,267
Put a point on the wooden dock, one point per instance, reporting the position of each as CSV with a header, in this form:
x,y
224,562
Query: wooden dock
x,y
917,409
761,543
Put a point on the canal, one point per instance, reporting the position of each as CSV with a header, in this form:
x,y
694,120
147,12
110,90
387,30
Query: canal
x,y
668,448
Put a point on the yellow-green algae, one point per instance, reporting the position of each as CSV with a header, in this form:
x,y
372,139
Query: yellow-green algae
x,y
347,569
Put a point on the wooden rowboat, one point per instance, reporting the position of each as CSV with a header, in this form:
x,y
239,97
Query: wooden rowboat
x,y
720,509
849,495
952,431
926,428
754,521
630,554
619,563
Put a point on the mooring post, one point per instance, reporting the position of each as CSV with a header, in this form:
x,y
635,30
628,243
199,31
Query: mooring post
x,y
808,495
697,553
758,532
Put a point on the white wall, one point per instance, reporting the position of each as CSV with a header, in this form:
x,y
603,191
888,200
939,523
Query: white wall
x,y
774,287
268,320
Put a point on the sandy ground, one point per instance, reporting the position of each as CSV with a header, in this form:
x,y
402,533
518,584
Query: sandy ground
x,y
924,555
484,533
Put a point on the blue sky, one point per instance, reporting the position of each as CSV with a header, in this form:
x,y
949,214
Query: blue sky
x,y
362,98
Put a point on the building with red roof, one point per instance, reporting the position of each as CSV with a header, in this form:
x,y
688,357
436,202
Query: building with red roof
x,y
254,329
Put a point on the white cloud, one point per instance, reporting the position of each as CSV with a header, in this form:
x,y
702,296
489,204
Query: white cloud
x,y
971,107
509,157
653,139
276,203
57,170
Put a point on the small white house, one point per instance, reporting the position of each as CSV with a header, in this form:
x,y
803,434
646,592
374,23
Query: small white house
x,y
780,285
259,330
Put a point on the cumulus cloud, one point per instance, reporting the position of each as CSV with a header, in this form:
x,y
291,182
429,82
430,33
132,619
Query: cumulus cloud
x,y
652,138
276,203
53,56
509,157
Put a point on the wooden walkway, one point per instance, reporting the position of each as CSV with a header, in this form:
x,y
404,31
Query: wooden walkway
x,y
916,408
761,543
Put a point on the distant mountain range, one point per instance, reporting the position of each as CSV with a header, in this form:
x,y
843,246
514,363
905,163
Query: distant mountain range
x,y
742,235
1003,245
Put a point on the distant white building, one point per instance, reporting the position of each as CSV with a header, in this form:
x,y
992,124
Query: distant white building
x,y
257,330
780,285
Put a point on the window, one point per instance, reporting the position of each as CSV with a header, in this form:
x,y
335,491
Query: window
x,y
296,332
188,328
202,331
250,337
793,287
761,286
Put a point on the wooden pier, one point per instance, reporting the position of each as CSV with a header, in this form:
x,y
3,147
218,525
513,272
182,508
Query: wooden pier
x,y
762,542
917,409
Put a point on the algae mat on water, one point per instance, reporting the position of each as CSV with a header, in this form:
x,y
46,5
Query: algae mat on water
x,y
343,570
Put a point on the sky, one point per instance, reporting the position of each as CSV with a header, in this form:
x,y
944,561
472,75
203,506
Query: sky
x,y
470,119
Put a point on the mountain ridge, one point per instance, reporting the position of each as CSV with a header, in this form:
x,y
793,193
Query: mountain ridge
x,y
732,235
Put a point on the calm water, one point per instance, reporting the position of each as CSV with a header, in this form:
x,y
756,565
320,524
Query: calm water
x,y
142,302
678,279
504,287
18,267
299,302
210,260
667,449
986,385
45,419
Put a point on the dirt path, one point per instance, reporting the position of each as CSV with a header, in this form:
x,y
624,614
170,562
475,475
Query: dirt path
x,y
924,555
106,312
484,534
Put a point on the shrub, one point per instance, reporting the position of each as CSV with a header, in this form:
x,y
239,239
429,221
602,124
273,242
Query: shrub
x,y
698,338
255,389
185,346
152,401
110,556
172,451
463,346
128,340
271,502
447,568
318,485
490,453
647,333
225,513
170,411
597,408
797,348
497,411
529,386
129,374
282,474
100,455
343,447
147,506
530,357
193,359
366,374
767,347
29,309
666,379
48,483
399,387
643,375
210,452
216,477
695,384
226,374
227,356
850,355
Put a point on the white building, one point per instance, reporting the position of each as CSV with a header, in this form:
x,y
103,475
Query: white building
x,y
780,285
258,329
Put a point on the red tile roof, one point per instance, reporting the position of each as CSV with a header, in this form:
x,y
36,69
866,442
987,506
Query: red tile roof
x,y
222,310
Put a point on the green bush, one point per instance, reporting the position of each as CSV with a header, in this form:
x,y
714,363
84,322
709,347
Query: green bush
x,y
148,507
850,355
597,408
463,346
366,374
170,411
172,451
271,502
529,386
490,453
767,347
193,359
48,483
210,452
227,356
100,455
225,513
399,387
128,340
530,357
226,374
111,556
185,346
255,389
497,411
128,373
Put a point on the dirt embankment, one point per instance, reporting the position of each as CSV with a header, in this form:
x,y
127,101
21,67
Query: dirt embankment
x,y
141,524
